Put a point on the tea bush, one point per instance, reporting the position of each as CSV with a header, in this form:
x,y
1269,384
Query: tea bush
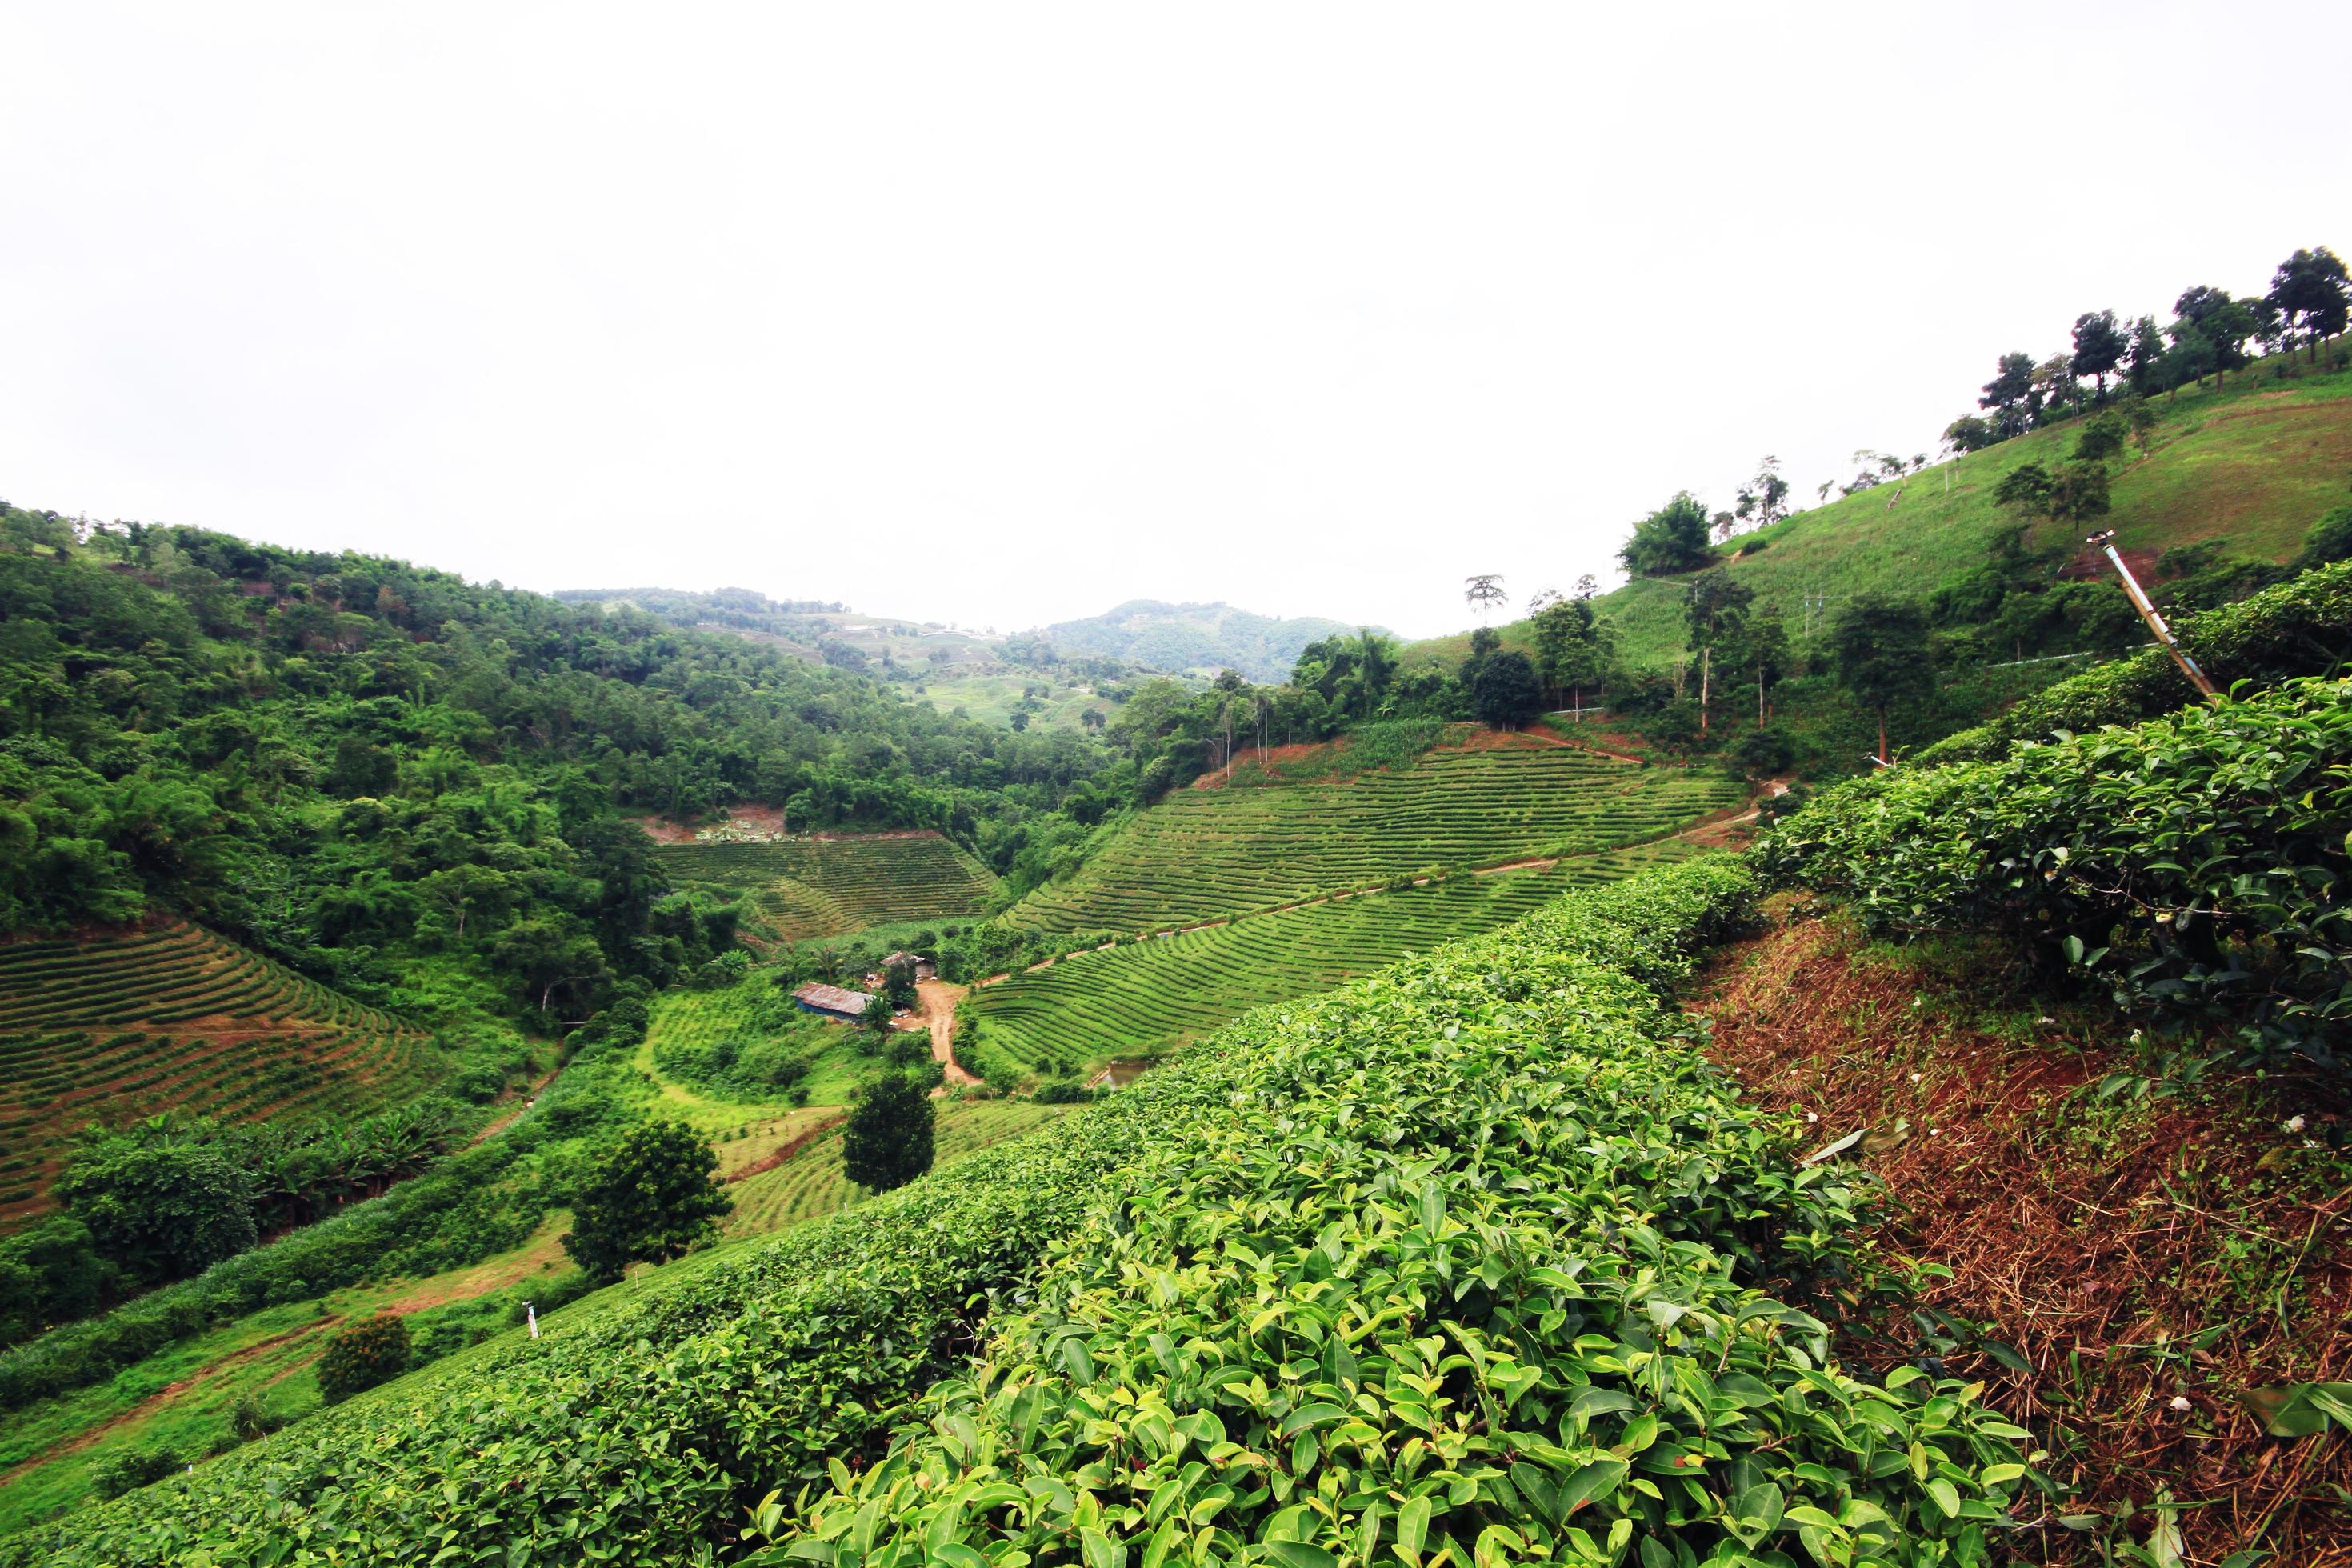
x,y
1474,1276
2197,862
1485,1228
2301,628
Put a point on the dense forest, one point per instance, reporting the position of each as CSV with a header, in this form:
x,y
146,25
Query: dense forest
x,y
380,773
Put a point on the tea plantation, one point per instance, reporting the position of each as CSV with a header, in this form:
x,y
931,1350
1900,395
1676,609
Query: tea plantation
x,y
811,1184
115,1027
1202,854
1140,999
1474,1262
828,887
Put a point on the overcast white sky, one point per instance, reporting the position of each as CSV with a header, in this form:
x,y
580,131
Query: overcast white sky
x,y
1003,313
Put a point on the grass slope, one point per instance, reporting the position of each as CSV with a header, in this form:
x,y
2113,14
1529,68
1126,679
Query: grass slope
x,y
1140,999
116,1027
1203,854
830,887
809,1185
2253,465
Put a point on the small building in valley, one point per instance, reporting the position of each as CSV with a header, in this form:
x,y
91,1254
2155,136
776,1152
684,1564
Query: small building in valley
x,y
831,1001
924,968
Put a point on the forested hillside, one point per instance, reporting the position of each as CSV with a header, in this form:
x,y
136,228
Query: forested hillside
x,y
378,772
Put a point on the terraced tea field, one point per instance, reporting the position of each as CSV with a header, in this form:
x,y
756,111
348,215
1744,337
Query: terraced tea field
x,y
1146,997
1205,852
117,1027
811,1184
830,887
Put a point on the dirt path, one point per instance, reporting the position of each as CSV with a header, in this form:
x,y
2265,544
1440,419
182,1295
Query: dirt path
x,y
524,1101
1717,832
939,1000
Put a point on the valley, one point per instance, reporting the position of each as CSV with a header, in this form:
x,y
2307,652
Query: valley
x,y
1830,1052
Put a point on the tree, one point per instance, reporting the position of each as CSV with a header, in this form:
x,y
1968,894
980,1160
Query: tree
x,y
1758,651
1505,691
1880,652
2080,494
647,1200
1485,592
2102,438
2005,394
888,1140
2146,353
2099,347
1713,607
1764,500
549,954
1970,433
159,1204
2311,291
2212,331
372,1351
898,984
1670,542
2025,488
1568,647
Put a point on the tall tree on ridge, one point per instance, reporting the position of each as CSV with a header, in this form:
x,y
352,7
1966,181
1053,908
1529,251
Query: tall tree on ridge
x,y
2099,347
2312,290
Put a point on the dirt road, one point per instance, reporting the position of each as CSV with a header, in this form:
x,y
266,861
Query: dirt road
x,y
939,1000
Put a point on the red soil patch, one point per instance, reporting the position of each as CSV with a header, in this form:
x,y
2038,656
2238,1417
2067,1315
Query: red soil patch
x,y
2133,1250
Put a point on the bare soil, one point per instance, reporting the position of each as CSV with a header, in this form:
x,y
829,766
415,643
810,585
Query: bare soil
x,y
2135,1248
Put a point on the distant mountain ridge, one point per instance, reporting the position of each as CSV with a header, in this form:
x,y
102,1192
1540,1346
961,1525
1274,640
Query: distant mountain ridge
x,y
1179,637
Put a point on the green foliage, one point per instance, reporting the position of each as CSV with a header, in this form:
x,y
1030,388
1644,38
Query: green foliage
x,y
1669,542
160,1208
645,1429
2195,863
1206,853
649,1199
127,1469
1477,1284
888,1140
52,1273
1140,999
372,1351
1505,691
2302,626
1879,649
352,763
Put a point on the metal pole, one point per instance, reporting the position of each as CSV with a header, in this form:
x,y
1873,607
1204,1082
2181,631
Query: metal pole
x,y
2147,612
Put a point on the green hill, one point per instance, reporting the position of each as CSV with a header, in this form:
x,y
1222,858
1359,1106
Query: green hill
x,y
1203,637
2252,467
1205,852
111,1027
1137,1000
838,884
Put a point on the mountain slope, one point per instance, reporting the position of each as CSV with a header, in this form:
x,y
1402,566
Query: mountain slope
x,y
1207,638
2252,467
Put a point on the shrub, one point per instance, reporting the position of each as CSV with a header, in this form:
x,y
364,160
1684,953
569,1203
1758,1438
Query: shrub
x,y
372,1351
127,1469
2197,862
